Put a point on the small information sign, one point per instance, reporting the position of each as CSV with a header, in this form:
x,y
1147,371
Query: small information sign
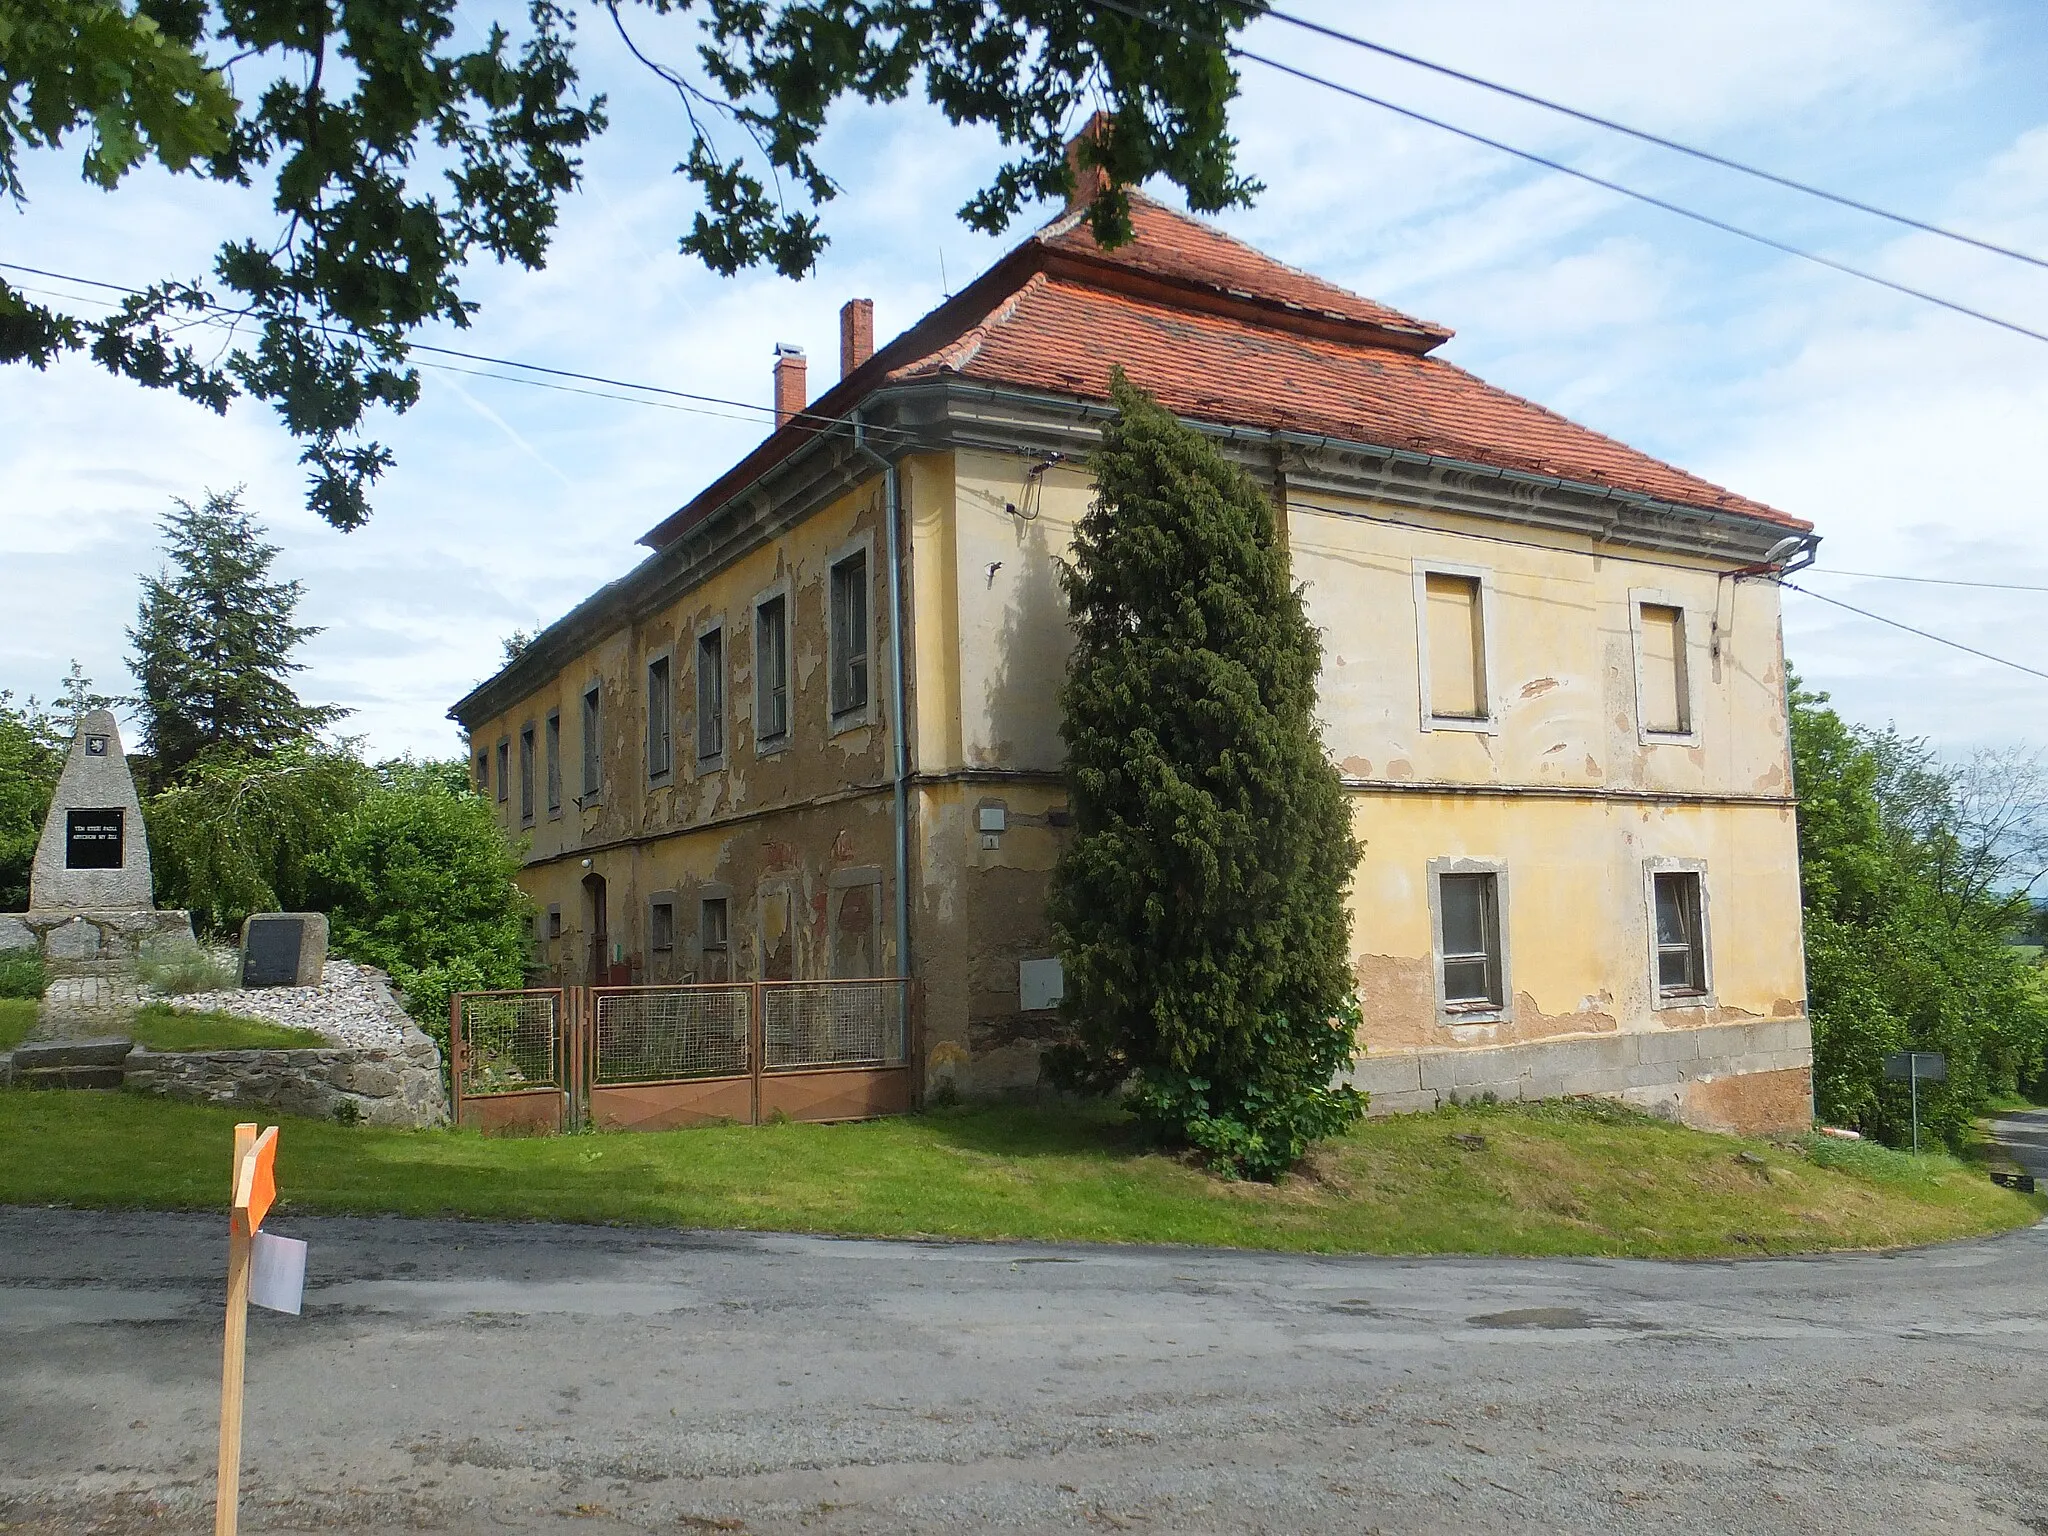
x,y
1920,1066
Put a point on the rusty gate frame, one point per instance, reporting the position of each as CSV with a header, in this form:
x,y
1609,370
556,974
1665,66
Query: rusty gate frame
x,y
578,1097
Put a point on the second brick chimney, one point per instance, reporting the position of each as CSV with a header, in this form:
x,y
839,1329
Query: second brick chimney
x,y
791,395
856,334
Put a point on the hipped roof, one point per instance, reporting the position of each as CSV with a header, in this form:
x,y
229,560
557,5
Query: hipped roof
x,y
1220,332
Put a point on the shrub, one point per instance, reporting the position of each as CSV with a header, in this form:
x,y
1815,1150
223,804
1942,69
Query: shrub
x,y
418,881
1199,907
22,973
176,969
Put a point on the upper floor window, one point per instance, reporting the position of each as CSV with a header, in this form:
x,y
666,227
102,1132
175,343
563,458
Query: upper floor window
x,y
593,743
711,695
526,774
504,771
553,734
771,671
1663,689
483,773
849,626
1451,644
660,748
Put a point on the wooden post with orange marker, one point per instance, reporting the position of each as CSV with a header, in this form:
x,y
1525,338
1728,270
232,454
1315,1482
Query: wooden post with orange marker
x,y
253,1188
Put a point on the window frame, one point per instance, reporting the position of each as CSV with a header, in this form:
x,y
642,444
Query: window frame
x,y
590,710
1704,941
1462,1013
661,768
709,896
504,767
529,747
1688,693
658,902
551,735
720,712
483,773
768,746
1421,570
851,716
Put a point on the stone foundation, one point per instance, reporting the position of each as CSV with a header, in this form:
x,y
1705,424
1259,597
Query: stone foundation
x,y
80,941
1751,1078
375,1086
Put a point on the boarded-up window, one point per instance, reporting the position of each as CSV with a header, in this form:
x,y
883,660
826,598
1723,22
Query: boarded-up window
x,y
855,939
778,938
660,749
1469,910
714,937
711,695
554,755
1457,647
1666,704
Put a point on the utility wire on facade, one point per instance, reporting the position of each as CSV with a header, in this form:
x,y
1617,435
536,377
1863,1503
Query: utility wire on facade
x,y
1337,34
2017,666
1931,581
1649,198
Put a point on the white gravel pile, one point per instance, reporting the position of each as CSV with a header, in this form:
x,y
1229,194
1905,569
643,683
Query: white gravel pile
x,y
352,1006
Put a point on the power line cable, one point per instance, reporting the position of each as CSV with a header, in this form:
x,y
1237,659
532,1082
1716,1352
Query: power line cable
x,y
1932,581
1649,198
2017,666
1337,34
905,438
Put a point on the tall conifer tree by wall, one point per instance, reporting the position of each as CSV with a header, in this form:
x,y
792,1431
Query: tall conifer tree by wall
x,y
213,642
1199,906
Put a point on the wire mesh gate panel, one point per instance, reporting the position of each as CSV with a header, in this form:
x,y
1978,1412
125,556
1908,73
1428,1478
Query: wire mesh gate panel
x,y
669,1056
649,1058
509,1061
833,1050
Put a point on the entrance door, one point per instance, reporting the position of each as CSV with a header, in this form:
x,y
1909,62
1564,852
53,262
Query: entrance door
x,y
598,967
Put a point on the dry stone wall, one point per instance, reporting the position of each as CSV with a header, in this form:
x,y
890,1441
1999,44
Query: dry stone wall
x,y
375,1085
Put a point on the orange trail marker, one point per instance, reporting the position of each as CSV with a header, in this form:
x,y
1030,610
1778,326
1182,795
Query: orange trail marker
x,y
252,1188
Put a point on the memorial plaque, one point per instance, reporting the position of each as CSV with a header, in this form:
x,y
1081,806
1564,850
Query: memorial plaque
x,y
284,949
93,839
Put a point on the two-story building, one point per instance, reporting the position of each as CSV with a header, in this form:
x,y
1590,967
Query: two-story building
x,y
815,732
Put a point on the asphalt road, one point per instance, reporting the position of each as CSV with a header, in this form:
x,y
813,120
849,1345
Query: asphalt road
x,y
487,1378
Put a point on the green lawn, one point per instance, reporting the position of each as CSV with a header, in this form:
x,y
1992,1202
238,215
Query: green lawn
x,y
160,1027
17,1018
1551,1180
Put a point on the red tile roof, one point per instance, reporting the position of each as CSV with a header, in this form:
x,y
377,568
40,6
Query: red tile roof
x,y
1221,333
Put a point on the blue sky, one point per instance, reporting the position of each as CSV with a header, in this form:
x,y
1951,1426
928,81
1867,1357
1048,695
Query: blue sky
x,y
1909,435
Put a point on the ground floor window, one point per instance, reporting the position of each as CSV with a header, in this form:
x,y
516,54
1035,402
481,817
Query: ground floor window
x,y
1471,962
1681,942
714,935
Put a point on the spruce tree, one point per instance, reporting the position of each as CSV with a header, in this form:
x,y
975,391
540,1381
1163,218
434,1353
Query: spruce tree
x,y
213,642
1200,905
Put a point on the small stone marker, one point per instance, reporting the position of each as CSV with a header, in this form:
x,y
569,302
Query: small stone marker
x,y
93,855
284,949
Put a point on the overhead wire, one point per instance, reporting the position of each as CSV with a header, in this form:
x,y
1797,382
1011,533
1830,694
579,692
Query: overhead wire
x,y
1337,34
1563,168
1932,581
1924,634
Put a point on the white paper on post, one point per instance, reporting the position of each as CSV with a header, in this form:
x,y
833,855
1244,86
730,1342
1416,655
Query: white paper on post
x,y
277,1272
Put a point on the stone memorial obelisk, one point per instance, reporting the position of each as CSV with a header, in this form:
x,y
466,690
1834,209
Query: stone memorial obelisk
x,y
89,906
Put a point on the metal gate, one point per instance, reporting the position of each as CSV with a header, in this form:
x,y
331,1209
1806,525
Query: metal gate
x,y
649,1058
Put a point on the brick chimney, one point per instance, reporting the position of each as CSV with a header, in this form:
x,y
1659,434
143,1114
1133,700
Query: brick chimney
x,y
1089,180
790,394
856,334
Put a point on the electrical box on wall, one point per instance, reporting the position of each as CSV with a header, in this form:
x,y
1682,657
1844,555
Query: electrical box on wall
x,y
1040,984
994,818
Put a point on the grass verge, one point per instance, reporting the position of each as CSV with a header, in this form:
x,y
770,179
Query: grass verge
x,y
17,1018
1556,1179
160,1027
